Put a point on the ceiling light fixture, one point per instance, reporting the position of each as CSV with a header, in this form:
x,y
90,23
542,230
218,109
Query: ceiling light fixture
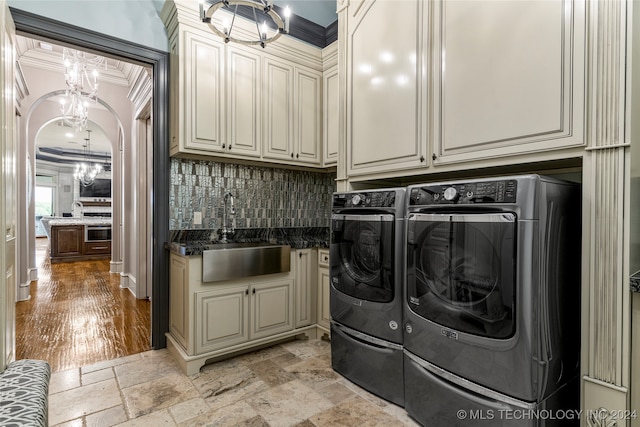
x,y
260,11
81,78
85,172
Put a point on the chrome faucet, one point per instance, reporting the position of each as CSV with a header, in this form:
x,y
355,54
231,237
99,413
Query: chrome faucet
x,y
228,215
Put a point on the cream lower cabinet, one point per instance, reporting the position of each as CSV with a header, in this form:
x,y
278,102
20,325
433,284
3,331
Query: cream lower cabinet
x,y
324,287
305,287
215,319
233,315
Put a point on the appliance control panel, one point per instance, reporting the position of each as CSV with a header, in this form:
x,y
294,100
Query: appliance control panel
x,y
365,199
465,193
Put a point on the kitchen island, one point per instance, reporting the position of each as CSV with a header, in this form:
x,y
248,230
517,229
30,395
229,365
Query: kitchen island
x,y
77,239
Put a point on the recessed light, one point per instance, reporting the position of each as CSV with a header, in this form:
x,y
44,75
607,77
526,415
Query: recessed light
x,y
46,46
69,135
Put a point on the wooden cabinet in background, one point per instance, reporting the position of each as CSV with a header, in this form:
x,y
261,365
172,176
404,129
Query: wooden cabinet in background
x,y
68,244
66,241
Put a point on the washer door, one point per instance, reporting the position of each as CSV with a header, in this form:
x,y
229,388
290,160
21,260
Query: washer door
x,y
361,256
461,271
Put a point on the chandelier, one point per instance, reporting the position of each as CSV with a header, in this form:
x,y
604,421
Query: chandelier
x,y
260,11
81,78
85,172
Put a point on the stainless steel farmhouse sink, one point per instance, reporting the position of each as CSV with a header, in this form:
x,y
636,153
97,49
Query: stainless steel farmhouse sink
x,y
226,261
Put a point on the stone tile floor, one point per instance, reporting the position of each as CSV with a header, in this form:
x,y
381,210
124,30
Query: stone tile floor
x,y
290,384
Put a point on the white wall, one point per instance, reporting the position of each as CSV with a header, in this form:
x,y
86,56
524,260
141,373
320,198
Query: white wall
x,y
136,21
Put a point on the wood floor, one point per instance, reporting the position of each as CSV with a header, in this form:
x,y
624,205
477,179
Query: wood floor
x,y
78,315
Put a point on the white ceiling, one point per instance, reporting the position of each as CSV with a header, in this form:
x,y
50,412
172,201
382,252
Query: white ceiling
x,y
54,136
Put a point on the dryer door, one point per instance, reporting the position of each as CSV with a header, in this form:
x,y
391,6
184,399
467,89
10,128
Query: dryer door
x,y
362,256
461,271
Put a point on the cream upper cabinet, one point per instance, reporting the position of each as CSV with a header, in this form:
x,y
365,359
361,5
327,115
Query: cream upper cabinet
x,y
434,86
512,80
198,109
292,113
244,75
232,101
331,100
385,85
278,109
307,146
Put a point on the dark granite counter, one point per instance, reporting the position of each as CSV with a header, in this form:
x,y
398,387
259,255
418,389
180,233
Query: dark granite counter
x,y
194,242
635,282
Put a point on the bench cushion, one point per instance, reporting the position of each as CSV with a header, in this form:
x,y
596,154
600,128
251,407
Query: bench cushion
x,y
24,389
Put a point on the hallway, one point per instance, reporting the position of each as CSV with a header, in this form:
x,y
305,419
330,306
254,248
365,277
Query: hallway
x,y
78,315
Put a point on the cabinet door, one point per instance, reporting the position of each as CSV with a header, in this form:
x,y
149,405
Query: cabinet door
x,y
324,286
511,85
278,110
178,299
222,318
308,117
202,85
386,86
272,308
244,76
304,288
67,240
330,116
174,96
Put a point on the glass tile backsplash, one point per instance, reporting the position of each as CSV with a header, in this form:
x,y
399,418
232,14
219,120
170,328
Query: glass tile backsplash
x,y
264,197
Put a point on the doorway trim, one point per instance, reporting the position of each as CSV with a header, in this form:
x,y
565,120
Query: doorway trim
x,y
33,25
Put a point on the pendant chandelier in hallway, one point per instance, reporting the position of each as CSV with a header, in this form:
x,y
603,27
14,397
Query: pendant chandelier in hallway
x,y
81,78
86,172
261,12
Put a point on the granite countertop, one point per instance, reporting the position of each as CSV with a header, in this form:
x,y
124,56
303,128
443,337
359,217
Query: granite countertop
x,y
195,242
635,282
80,221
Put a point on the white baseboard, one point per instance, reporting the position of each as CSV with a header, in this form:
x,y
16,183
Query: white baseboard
x,y
115,267
24,293
32,274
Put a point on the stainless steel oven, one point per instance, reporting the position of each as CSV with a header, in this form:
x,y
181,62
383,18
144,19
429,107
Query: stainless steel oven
x,y
97,233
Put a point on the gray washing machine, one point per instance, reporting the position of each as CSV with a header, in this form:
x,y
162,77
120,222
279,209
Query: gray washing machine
x,y
366,273
492,307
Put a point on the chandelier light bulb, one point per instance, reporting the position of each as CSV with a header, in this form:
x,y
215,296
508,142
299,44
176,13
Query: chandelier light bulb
x,y
263,30
287,16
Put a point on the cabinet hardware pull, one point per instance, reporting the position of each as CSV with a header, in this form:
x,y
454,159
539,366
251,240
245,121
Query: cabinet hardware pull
x,y
297,156
229,146
299,254
254,291
224,145
421,159
246,292
292,155
433,156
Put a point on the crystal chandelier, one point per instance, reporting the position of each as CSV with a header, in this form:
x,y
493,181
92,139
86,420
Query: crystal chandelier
x,y
81,78
85,172
260,11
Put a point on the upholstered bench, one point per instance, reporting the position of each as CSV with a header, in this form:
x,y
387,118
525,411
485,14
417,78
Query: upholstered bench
x,y
24,389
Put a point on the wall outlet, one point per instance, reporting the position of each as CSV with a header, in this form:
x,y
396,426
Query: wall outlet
x,y
197,218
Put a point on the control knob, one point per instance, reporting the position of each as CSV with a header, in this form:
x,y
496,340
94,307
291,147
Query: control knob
x,y
450,194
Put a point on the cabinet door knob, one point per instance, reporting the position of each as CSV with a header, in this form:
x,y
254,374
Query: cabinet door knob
x,y
224,145
292,155
246,292
433,156
421,159
229,146
297,156
254,291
